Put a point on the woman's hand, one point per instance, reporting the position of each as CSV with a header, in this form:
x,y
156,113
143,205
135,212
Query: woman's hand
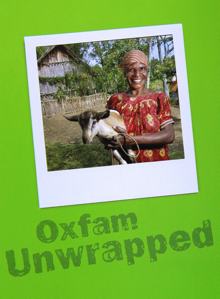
x,y
120,129
165,136
117,140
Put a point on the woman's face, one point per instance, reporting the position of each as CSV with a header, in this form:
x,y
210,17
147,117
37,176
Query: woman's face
x,y
136,75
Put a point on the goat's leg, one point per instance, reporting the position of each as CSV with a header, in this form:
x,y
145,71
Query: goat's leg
x,y
118,157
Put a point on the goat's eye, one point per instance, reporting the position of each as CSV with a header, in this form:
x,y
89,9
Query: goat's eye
x,y
94,122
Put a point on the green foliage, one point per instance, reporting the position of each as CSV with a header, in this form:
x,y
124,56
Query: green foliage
x,y
40,51
70,156
77,50
52,80
98,65
156,85
81,82
60,94
108,55
175,155
158,69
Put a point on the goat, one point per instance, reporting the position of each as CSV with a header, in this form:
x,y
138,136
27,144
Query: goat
x,y
101,124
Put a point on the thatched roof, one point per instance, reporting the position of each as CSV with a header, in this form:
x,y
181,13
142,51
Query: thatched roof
x,y
64,48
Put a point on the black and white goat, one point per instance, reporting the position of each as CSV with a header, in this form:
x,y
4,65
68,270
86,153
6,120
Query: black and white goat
x,y
101,124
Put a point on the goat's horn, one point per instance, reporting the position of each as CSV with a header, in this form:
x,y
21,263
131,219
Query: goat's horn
x,y
72,117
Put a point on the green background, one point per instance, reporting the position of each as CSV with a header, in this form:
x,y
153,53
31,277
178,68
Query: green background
x,y
194,273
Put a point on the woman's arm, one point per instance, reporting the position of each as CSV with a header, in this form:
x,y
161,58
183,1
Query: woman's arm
x,y
165,136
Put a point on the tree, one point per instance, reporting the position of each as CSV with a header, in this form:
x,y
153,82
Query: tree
x,y
166,65
108,54
98,63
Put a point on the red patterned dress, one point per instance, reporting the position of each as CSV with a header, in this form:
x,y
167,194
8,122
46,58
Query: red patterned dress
x,y
144,114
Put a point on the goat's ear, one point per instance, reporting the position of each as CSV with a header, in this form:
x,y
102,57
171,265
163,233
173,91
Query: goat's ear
x,y
72,117
104,114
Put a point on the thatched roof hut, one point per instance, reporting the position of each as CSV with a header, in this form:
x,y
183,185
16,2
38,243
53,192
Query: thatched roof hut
x,y
56,62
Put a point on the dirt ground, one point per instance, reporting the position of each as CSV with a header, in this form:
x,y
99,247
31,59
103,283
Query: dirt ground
x,y
59,130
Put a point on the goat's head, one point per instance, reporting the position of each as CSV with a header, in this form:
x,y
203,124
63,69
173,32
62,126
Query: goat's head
x,y
88,121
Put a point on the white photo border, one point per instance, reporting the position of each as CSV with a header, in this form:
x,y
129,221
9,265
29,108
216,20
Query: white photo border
x,y
102,184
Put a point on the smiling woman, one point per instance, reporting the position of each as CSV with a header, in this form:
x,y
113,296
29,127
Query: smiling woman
x,y
146,114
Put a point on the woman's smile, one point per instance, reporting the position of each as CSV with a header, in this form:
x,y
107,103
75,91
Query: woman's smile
x,y
136,75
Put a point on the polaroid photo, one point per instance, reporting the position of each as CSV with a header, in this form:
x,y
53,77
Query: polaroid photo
x,y
110,115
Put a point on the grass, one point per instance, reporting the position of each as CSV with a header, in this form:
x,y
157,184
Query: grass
x,y
174,155
71,156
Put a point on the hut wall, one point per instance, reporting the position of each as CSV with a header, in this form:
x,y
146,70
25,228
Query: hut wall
x,y
56,64
56,69
46,88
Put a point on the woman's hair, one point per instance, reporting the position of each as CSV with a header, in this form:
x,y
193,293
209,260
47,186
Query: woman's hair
x,y
132,57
